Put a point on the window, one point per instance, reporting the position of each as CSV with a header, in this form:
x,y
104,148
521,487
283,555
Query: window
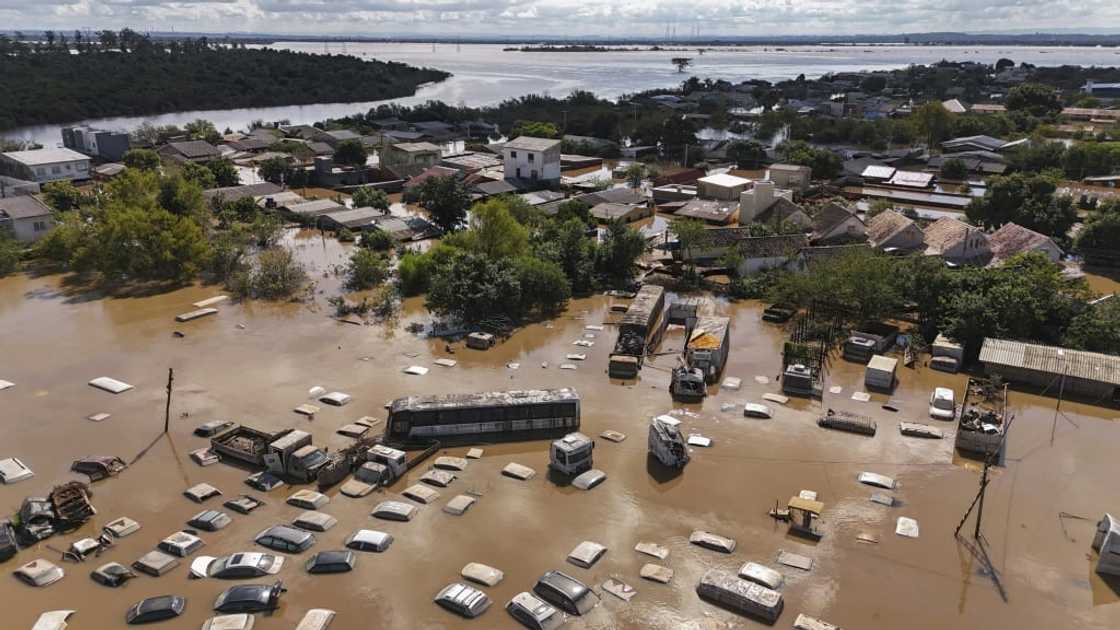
x,y
56,170
40,226
531,156
519,172
513,154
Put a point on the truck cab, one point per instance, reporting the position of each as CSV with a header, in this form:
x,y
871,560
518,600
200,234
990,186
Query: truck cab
x,y
571,454
394,460
666,443
294,457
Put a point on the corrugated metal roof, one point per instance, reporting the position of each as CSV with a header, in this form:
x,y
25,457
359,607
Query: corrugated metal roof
x,y
1091,366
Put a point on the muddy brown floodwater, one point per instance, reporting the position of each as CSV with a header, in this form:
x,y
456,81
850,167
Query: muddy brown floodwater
x,y
54,340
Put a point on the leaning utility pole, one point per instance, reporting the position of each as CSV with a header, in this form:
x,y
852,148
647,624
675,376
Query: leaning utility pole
x,y
167,409
977,504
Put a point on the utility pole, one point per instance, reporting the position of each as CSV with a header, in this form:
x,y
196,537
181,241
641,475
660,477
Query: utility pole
x,y
167,409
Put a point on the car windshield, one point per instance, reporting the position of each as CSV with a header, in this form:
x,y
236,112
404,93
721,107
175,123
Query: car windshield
x,y
314,459
943,403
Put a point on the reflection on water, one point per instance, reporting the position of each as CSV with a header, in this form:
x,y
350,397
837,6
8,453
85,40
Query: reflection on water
x,y
484,74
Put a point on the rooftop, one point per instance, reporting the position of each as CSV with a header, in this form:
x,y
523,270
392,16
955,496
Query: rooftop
x,y
911,179
1012,238
416,147
946,232
1091,366
529,143
23,207
194,148
881,227
38,157
709,210
724,180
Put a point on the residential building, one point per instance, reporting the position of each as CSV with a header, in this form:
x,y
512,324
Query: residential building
x,y
988,108
351,219
974,143
911,179
627,213
310,210
892,231
781,214
834,224
758,252
1012,239
337,136
229,194
754,201
954,106
106,145
419,154
533,159
790,176
723,187
957,243
712,211
25,217
1106,90
45,165
198,151
13,187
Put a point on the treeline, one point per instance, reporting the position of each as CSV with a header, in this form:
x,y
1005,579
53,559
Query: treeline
x,y
126,74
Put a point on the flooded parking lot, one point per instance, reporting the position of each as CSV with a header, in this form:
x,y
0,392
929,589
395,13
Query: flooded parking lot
x,y
253,363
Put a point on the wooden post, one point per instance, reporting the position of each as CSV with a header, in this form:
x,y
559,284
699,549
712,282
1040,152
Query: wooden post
x,y
167,409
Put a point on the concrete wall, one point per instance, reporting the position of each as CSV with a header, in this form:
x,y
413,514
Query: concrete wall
x,y
522,164
1075,387
31,229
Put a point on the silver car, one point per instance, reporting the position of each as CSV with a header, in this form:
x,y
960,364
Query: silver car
x,y
463,600
237,566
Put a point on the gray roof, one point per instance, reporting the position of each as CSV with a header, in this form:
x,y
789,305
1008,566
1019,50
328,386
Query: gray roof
x,y
614,195
484,399
708,210
233,193
498,187
529,143
1090,366
342,134
39,157
414,147
611,211
23,207
772,246
315,207
354,218
194,148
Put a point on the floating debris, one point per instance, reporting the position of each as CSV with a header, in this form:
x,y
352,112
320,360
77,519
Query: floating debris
x,y
202,312
204,456
835,389
544,365
916,429
868,538
877,480
695,439
6,384
619,589
805,622
795,560
733,383
474,453
306,409
111,385
776,398
338,399
586,554
448,363
762,380
459,504
518,471
882,499
583,342
595,327
576,357
567,366
652,549
656,573
210,301
861,397
906,527
513,365
612,436
416,370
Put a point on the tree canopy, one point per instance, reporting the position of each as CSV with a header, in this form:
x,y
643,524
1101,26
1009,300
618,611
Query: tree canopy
x,y
1026,199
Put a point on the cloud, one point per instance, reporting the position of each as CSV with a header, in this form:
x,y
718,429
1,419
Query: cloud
x,y
619,18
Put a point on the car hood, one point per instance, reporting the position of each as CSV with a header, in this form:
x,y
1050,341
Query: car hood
x,y
200,566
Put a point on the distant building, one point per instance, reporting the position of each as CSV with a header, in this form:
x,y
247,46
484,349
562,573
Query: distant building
x,y
893,231
45,165
715,212
337,137
836,225
791,176
1012,239
957,242
756,201
1089,374
13,187
106,145
25,217
723,187
533,159
198,151
974,143
419,154
954,106
1106,90
627,213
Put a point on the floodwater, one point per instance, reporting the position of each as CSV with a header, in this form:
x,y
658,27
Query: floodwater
x,y
485,74
254,362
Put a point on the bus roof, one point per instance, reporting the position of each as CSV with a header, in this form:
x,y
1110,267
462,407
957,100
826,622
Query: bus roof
x,y
484,399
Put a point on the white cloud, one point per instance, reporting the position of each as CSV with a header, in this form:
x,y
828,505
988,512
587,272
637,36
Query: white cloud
x,y
618,18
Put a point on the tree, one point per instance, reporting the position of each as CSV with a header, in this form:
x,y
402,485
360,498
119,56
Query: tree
x,y
1097,329
681,63
203,130
244,209
1003,64
534,129
1025,199
747,154
874,83
62,196
954,169
10,253
198,174
276,274
689,233
878,206
933,122
635,173
1036,99
475,289
275,170
182,197
142,159
824,163
350,153
544,287
574,209
146,242
366,269
225,173
1101,232
494,232
446,200
377,240
617,256
370,197
866,284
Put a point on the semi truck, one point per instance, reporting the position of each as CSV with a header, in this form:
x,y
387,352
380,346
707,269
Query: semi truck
x,y
639,331
288,454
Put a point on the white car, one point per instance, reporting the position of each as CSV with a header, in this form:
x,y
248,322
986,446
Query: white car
x,y
942,404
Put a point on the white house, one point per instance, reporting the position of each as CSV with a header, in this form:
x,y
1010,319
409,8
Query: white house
x,y
533,159
45,165
791,176
25,217
957,242
722,186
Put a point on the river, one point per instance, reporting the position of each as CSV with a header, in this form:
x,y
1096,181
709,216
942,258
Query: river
x,y
485,74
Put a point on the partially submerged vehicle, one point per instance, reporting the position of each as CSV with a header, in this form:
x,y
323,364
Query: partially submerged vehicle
x,y
566,593
534,613
778,313
53,620
316,619
801,380
1106,542
459,504
394,511
264,481
871,339
803,515
463,600
181,544
243,504
40,573
238,566
369,540
121,527
155,609
757,410
739,595
847,421
687,385
315,521
250,598
9,545
201,492
341,561
586,554
715,542
308,499
417,421
212,428
589,479
761,574
240,621
571,454
12,469
483,574
708,346
517,471
285,538
155,563
639,331
983,418
287,454
210,520
877,480
112,574
666,442
943,404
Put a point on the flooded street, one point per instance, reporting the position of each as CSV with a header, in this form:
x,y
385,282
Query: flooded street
x,y
253,363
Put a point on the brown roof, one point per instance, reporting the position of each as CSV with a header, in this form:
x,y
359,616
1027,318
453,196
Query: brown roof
x,y
194,148
885,225
772,246
1012,238
944,233
23,207
782,210
828,217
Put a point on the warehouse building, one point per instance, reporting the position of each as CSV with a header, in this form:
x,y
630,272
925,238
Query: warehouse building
x,y
1089,375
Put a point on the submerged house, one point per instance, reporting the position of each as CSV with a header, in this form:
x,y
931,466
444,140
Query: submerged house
x,y
957,243
1012,239
892,231
1091,375
25,217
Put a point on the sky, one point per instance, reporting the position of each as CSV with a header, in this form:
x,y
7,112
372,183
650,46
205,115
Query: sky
x,y
608,18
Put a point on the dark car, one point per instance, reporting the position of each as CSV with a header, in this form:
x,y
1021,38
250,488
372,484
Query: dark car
x,y
263,481
8,544
464,600
566,593
113,574
212,428
155,609
285,538
209,520
249,598
99,467
331,562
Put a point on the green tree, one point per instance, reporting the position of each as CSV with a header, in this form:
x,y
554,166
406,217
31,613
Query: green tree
x,y
747,154
203,130
689,232
494,232
1101,232
534,129
10,253
146,242
370,197
954,170
62,196
446,199
933,122
276,170
878,206
635,173
1038,100
350,153
229,253
366,269
475,289
225,173
544,287
619,253
182,197
567,245
1096,329
244,209
377,240
143,159
275,274
574,209
1026,199
198,174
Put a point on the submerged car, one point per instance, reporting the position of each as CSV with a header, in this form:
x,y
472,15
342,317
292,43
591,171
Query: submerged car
x,y
8,544
113,574
210,520
237,566
40,573
99,467
942,404
212,428
155,609
285,538
331,562
534,613
464,600
239,621
249,598
566,593
369,540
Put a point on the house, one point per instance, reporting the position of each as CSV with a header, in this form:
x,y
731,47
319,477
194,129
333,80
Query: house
x,y
419,154
13,187
107,171
413,184
45,165
350,219
709,211
406,228
533,159
106,145
762,253
988,108
723,187
877,173
973,143
198,151
25,217
230,194
957,243
1087,374
822,255
605,212
435,129
782,214
310,210
893,231
1106,90
834,224
755,200
954,106
491,188
1012,239
337,136
911,179
471,162
790,176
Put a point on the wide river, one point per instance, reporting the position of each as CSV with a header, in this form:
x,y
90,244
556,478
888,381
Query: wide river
x,y
485,74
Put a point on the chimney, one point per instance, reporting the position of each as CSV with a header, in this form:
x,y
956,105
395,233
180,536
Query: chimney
x,y
754,201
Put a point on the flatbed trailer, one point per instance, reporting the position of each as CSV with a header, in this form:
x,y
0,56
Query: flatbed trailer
x,y
983,418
